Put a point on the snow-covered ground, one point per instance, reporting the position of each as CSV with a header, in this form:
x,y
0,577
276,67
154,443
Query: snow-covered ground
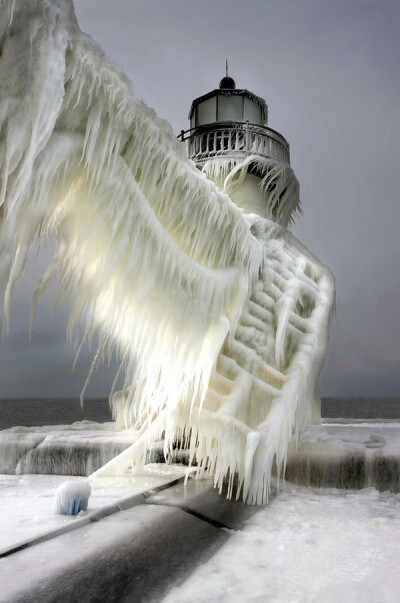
x,y
308,545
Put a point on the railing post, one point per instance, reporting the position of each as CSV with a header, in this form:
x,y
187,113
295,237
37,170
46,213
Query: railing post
x,y
247,136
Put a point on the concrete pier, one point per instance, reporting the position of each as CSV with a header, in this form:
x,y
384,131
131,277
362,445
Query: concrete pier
x,y
337,454
350,454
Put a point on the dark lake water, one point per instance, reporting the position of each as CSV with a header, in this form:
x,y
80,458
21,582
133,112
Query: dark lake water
x,y
51,411
58,411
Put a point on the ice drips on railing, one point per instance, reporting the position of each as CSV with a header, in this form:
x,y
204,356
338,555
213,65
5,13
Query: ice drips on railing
x,y
159,263
231,139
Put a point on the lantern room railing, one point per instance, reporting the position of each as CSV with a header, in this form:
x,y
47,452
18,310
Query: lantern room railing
x,y
232,139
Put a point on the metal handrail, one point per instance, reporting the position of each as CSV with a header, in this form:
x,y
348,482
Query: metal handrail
x,y
233,138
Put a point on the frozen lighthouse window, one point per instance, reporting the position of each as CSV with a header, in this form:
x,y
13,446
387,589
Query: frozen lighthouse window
x,y
188,272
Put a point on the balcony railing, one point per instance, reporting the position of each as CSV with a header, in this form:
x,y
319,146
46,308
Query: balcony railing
x,y
230,139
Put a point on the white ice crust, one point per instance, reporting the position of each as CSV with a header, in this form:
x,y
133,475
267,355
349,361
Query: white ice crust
x,y
307,546
72,497
223,315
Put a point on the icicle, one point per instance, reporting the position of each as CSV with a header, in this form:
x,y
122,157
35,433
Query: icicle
x,y
278,183
164,270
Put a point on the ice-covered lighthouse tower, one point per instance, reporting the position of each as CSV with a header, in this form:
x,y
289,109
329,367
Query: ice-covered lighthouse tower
x,y
264,389
230,141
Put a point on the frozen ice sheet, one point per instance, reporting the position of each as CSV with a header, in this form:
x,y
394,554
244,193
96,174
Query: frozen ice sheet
x,y
26,501
133,555
308,545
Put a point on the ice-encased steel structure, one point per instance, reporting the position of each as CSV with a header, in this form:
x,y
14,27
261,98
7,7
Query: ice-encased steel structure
x,y
223,314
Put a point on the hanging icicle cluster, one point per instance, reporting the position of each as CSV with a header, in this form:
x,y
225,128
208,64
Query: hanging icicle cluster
x,y
145,242
277,181
159,263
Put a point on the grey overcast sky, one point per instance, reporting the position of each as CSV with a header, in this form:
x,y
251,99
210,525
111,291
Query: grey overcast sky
x,y
329,71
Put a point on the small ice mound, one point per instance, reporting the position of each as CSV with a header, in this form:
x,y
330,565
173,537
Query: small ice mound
x,y
71,498
375,441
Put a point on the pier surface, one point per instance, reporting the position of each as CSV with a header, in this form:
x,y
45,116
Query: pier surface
x,y
142,537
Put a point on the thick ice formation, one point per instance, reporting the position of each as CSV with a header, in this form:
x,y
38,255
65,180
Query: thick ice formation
x,y
77,449
280,186
72,497
223,315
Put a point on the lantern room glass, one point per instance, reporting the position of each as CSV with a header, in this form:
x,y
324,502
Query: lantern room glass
x,y
230,108
207,111
253,113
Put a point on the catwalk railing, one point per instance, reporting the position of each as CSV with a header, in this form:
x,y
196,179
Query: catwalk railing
x,y
232,138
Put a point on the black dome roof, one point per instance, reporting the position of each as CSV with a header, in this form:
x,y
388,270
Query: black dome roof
x,y
227,83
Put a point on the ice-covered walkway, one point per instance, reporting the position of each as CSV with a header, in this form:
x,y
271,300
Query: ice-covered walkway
x,y
307,546
26,501
190,544
131,545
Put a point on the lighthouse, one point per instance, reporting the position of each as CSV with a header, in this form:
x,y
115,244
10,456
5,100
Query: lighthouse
x,y
229,139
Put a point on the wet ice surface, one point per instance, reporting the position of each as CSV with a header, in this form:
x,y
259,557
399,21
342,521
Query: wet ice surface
x,y
308,545
26,501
